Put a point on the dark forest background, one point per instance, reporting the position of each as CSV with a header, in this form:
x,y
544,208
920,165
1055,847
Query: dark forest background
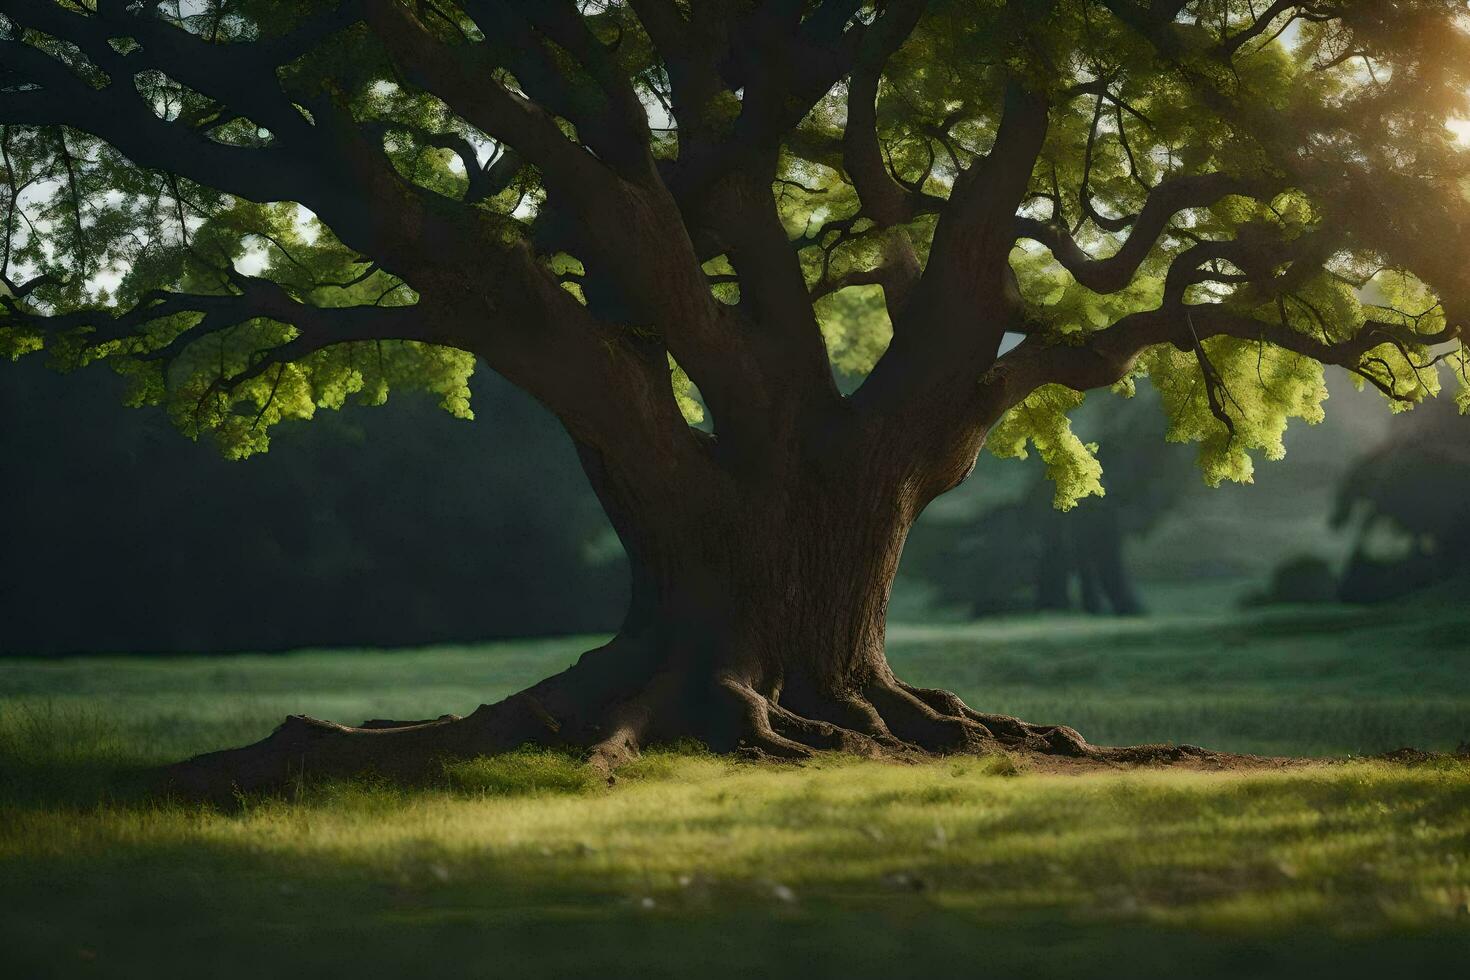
x,y
370,526
400,525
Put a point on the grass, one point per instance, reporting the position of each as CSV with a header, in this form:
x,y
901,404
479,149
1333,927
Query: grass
x,y
525,865
1308,681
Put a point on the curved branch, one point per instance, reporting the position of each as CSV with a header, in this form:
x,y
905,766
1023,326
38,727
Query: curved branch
x,y
326,165
884,199
975,231
1107,356
560,64
239,76
1163,203
119,116
462,77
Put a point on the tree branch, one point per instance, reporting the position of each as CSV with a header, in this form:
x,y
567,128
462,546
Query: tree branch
x,y
325,164
1107,356
463,78
1163,203
317,327
883,199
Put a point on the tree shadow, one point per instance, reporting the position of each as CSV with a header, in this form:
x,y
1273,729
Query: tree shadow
x,y
227,909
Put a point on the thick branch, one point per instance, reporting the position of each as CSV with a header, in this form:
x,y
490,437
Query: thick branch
x,y
462,77
883,199
973,239
117,115
327,166
563,66
952,323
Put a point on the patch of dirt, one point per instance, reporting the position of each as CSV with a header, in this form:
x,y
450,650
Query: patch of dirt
x,y
1187,758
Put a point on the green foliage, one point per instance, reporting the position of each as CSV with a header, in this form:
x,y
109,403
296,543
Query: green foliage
x,y
1459,362
1262,387
689,405
1058,303
1042,421
15,342
324,379
1154,123
110,235
856,328
1356,92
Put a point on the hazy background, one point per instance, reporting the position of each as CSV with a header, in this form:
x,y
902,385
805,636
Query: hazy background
x,y
400,525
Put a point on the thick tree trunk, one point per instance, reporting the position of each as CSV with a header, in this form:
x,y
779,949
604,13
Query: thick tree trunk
x,y
756,625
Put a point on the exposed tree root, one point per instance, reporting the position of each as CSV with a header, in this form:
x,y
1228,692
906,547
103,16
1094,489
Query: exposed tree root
x,y
885,718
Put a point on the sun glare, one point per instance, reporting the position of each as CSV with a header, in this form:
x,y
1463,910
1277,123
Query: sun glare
x,y
1461,129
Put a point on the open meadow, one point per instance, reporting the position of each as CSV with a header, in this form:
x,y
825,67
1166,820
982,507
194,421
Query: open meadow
x,y
528,865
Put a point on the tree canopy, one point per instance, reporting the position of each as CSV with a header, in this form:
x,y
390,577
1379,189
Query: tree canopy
x,y
255,209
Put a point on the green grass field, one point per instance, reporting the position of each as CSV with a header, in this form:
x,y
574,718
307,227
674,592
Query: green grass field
x,y
527,866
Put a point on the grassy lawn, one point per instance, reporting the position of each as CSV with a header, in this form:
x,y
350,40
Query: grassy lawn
x,y
525,865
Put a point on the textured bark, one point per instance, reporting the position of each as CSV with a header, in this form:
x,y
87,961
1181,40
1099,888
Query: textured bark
x,y
756,625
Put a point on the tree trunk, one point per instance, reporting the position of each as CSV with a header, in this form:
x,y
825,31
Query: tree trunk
x,y
1102,550
756,625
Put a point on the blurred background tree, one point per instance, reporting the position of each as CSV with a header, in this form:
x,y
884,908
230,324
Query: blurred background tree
x,y
1406,506
1020,553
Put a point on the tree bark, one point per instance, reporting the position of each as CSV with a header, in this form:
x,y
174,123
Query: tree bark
x,y
756,625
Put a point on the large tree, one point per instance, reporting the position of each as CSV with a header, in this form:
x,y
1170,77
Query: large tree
x,y
641,211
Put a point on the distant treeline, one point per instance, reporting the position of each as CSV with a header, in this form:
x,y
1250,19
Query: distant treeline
x,y
372,526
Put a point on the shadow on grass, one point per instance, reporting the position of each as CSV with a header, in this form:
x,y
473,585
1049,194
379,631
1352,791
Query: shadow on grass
x,y
181,894
527,864
52,757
